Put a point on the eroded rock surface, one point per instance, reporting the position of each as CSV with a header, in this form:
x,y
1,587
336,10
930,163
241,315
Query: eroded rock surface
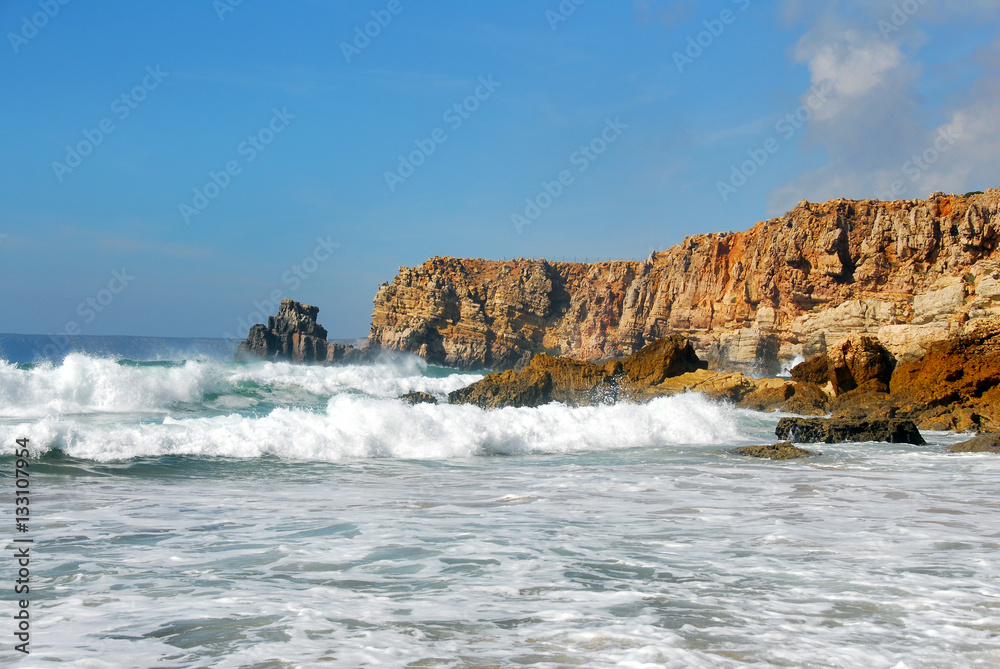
x,y
293,335
906,272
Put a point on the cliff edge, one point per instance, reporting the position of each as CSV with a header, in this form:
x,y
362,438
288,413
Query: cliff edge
x,y
906,271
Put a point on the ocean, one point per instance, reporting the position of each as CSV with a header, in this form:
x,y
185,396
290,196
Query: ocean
x,y
191,511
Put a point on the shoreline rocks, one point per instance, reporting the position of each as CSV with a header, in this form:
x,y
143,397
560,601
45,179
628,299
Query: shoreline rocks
x,y
987,443
579,383
785,450
836,431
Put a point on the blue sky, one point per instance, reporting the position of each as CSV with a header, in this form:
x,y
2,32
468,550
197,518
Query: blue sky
x,y
167,165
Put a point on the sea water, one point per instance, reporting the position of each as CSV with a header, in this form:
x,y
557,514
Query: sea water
x,y
207,513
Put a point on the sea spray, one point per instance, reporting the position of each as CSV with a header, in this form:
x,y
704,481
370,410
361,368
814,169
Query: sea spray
x,y
359,427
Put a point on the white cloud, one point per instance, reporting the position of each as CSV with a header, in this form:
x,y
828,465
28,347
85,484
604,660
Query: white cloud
x,y
874,132
849,65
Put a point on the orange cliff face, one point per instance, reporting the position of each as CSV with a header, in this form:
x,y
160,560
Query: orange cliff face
x,y
907,272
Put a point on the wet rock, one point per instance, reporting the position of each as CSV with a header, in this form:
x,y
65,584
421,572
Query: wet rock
x,y
417,397
781,451
834,431
986,443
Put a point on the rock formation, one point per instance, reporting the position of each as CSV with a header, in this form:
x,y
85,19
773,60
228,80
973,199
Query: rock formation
x,y
295,336
418,397
953,385
905,272
987,443
575,382
783,451
666,367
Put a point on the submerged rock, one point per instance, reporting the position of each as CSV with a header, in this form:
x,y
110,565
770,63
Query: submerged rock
x,y
417,397
782,451
987,443
293,335
834,431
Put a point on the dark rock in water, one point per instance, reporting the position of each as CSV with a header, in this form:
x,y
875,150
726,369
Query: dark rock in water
x,y
783,451
295,336
836,430
578,383
417,397
987,443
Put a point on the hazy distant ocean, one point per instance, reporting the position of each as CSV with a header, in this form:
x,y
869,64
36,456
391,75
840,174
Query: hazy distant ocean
x,y
189,511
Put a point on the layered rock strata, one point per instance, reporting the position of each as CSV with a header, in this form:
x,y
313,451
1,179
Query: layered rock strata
x,y
293,335
905,272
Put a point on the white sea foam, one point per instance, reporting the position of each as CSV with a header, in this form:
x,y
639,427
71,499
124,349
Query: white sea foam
x,y
354,426
83,384
883,558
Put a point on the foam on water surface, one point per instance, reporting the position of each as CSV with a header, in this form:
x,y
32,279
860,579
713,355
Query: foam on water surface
x,y
214,514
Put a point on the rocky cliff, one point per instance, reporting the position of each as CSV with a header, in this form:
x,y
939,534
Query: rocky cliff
x,y
906,271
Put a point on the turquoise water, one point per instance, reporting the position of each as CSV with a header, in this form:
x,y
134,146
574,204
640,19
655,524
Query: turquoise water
x,y
204,513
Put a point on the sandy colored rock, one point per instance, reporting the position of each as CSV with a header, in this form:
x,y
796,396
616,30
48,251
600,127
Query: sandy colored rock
x,y
987,443
956,385
785,450
550,379
906,272
853,362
